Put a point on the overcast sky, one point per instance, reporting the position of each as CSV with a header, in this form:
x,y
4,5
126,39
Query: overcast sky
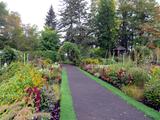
x,y
33,11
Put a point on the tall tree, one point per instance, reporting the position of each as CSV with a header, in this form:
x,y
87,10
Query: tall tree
x,y
145,12
92,20
31,38
135,15
13,30
125,13
106,24
51,19
73,17
3,14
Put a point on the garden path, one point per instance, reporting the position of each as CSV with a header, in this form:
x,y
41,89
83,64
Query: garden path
x,y
93,102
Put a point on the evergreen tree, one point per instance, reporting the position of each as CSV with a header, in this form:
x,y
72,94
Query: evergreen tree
x,y
92,20
106,24
50,40
51,19
73,17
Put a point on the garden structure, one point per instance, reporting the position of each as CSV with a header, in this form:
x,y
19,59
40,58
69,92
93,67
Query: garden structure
x,y
119,50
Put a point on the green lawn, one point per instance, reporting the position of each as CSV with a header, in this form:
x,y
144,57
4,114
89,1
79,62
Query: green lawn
x,y
147,110
67,109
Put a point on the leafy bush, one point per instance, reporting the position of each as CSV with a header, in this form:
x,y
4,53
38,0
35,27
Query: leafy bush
x,y
29,85
9,54
52,74
152,93
92,61
133,91
43,54
117,76
152,88
140,54
7,73
139,76
155,72
109,61
13,89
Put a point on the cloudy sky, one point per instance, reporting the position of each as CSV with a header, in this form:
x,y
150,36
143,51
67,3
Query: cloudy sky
x,y
33,11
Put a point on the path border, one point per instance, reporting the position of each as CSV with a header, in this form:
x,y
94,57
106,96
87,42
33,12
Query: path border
x,y
67,110
147,110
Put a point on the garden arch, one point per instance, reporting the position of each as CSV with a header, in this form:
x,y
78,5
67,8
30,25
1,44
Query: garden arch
x,y
69,51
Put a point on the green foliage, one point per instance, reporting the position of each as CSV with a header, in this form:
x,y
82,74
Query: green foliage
x,y
73,20
69,51
30,40
157,43
13,89
10,54
152,92
3,14
152,88
139,75
133,91
43,54
50,40
48,99
51,19
91,61
109,61
16,111
141,54
9,72
96,52
135,17
106,24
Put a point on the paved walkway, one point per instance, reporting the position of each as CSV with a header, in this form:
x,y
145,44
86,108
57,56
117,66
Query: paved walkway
x,y
93,102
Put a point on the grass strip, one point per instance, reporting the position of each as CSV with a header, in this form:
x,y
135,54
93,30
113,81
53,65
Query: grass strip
x,y
67,109
147,110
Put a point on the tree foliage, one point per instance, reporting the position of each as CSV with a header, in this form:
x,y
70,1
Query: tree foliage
x,y
51,19
106,24
69,51
136,18
3,14
50,40
73,17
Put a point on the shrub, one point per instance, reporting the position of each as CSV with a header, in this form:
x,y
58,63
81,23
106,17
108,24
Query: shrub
x,y
9,72
152,88
152,93
140,54
139,75
14,89
133,91
117,77
52,55
155,72
109,61
92,61
9,54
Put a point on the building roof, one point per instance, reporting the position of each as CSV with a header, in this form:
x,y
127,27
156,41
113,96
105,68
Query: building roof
x,y
119,48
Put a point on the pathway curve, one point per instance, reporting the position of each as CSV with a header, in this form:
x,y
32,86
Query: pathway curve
x,y
93,102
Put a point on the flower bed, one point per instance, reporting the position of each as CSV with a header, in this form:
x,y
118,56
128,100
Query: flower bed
x,y
32,92
139,83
